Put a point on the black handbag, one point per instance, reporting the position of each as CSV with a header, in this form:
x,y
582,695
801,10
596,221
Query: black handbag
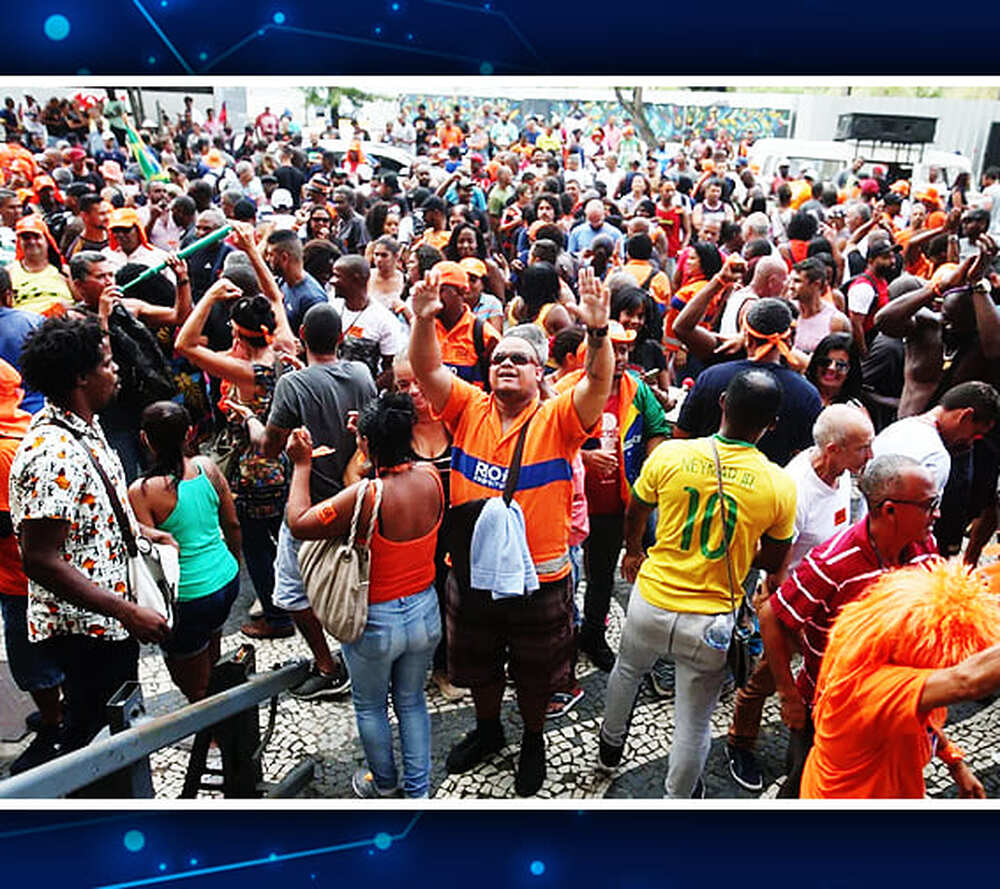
x,y
739,656
462,519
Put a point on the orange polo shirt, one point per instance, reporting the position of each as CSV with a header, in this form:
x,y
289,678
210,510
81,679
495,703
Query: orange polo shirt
x,y
481,453
458,347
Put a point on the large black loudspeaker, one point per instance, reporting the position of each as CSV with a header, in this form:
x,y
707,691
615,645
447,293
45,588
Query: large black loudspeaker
x,y
885,128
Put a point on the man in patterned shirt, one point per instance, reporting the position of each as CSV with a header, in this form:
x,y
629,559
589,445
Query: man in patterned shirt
x,y
902,506
72,547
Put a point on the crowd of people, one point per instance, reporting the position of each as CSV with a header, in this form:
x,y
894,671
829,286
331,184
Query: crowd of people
x,y
543,354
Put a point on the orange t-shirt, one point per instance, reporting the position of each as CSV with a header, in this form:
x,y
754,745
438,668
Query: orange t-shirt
x,y
481,453
438,240
871,742
12,579
659,284
458,347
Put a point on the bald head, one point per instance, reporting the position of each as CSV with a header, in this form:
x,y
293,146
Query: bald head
x,y
843,435
594,212
769,276
354,267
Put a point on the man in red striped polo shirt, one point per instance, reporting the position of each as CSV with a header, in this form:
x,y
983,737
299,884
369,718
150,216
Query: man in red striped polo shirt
x,y
903,505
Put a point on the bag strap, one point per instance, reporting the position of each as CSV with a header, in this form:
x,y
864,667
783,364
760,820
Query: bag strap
x,y
725,539
649,278
514,471
375,508
124,525
358,503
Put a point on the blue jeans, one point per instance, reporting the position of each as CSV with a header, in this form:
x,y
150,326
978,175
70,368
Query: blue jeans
x,y
393,655
649,633
260,545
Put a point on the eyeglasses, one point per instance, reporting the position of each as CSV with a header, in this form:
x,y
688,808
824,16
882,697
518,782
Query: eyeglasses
x,y
518,359
927,506
835,364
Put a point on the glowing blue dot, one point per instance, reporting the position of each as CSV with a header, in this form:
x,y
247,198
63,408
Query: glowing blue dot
x,y
84,72
202,56
487,6
194,862
537,868
151,60
273,856
486,68
56,27
134,840
383,841
163,3
395,7
378,29
279,18
409,36
163,866
260,33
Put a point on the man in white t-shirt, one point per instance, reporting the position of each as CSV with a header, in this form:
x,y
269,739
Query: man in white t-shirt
x,y
822,476
991,198
966,412
370,329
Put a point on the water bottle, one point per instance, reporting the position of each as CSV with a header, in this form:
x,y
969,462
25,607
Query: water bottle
x,y
718,633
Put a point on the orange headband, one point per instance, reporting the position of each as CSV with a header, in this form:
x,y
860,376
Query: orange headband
x,y
247,332
771,340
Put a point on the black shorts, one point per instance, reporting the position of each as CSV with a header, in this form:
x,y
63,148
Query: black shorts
x,y
535,632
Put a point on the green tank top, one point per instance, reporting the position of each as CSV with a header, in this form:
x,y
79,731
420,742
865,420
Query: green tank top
x,y
206,562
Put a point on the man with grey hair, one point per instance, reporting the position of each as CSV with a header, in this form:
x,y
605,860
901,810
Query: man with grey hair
x,y
593,226
902,503
822,476
535,630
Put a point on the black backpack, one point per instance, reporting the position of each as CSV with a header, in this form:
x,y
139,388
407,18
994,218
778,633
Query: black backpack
x,y
143,373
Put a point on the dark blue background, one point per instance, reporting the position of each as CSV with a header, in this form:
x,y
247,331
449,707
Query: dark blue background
x,y
486,849
509,36
635,849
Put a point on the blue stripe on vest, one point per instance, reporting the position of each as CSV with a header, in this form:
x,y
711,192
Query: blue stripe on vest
x,y
490,475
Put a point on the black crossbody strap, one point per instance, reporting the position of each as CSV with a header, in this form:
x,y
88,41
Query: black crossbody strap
x,y
725,538
515,464
123,523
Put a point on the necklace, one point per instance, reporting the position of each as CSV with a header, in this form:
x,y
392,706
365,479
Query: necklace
x,y
871,540
395,470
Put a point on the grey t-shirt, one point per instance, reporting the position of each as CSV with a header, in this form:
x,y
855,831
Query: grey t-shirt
x,y
319,397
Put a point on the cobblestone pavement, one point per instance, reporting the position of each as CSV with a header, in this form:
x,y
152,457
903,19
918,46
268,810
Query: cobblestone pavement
x,y
327,731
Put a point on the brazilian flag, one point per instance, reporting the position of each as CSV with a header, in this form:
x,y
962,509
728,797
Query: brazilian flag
x,y
150,167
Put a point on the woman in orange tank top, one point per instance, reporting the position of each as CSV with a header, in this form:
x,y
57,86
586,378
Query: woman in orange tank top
x,y
394,652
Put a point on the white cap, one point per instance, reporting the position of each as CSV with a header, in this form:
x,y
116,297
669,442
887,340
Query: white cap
x,y
281,198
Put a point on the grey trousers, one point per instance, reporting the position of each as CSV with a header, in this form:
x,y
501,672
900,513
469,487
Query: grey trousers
x,y
700,669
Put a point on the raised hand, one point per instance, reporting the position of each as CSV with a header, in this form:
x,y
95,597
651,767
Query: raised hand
x,y
595,300
300,446
426,296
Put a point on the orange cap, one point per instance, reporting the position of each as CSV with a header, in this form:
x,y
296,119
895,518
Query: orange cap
x,y
452,273
34,223
474,266
936,219
900,186
125,217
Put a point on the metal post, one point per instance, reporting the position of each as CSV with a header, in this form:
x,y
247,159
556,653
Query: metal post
x,y
127,710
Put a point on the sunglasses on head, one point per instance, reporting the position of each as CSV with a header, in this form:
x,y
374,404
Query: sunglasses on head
x,y
518,359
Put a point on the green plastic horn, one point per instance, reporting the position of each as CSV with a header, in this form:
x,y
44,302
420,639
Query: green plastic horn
x,y
211,238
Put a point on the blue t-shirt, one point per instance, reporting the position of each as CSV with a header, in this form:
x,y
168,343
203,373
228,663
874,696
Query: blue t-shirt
x,y
800,405
15,325
301,298
581,237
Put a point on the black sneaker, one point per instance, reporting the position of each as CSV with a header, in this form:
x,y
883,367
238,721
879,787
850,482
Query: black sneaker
x,y
608,755
530,768
46,746
599,652
744,769
662,678
473,749
321,686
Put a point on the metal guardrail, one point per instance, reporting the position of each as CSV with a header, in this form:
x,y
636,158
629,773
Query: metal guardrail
x,y
109,755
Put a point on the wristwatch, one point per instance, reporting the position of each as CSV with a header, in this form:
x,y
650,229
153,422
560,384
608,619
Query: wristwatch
x,y
983,286
597,332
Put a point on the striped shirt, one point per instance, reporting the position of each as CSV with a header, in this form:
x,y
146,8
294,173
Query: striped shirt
x,y
828,577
